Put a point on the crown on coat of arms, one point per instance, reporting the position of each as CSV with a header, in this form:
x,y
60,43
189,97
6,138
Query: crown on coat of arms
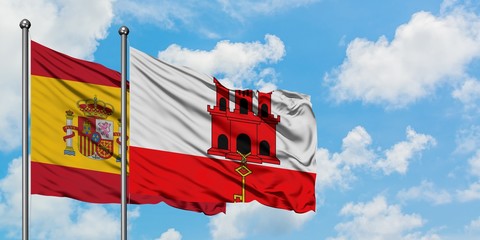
x,y
95,108
69,113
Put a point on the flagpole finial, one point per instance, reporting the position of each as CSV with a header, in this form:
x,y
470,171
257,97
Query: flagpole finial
x,y
25,24
123,30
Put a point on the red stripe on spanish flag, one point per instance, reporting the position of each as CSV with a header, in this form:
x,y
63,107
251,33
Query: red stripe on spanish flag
x,y
47,62
97,187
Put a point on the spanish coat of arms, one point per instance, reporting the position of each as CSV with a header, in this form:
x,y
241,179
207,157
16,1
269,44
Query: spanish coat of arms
x,y
95,132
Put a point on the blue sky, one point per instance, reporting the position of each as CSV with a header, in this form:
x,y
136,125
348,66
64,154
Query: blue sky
x,y
394,86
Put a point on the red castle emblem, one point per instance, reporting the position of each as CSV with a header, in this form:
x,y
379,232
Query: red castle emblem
x,y
242,134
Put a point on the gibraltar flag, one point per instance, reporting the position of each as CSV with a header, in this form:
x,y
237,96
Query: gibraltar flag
x,y
194,140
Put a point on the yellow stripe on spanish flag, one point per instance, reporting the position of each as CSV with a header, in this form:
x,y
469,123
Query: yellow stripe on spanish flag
x,y
75,124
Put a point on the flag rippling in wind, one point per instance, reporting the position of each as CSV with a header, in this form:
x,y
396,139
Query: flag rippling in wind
x,y
75,132
192,139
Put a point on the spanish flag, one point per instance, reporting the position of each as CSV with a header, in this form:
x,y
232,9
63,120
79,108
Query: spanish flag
x,y
75,132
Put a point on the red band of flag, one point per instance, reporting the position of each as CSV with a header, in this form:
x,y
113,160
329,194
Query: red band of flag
x,y
195,178
99,187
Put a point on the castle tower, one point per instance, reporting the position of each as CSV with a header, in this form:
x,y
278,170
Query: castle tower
x,y
242,130
267,128
221,131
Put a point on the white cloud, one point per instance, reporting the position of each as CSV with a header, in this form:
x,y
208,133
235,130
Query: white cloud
x,y
474,163
242,68
253,218
468,93
471,231
242,9
170,234
470,194
171,14
425,191
133,213
398,157
331,171
337,168
70,26
420,236
53,217
61,218
11,196
468,140
448,5
473,226
378,220
411,66
164,13
357,152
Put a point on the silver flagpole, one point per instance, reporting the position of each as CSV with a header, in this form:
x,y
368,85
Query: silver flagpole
x,y
25,26
123,31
